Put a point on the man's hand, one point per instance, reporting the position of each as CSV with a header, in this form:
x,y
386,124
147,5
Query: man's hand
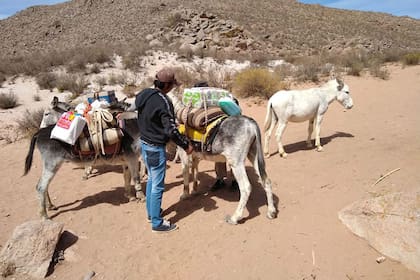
x,y
190,149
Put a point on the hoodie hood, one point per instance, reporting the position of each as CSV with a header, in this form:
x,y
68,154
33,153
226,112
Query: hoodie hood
x,y
143,96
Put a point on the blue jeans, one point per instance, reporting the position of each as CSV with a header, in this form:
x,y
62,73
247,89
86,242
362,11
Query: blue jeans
x,y
155,160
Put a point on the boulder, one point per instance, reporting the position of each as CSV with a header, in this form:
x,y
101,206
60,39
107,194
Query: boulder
x,y
30,249
390,223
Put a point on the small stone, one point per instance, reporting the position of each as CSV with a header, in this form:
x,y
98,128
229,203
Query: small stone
x,y
381,259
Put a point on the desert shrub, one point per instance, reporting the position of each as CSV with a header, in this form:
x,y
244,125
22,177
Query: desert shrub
x,y
36,97
75,83
354,62
46,80
132,57
117,79
411,58
256,82
131,90
101,81
392,55
185,77
8,100
377,70
174,19
95,68
354,68
307,72
29,123
77,64
2,78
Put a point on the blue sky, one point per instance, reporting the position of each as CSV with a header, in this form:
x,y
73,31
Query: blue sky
x,y
11,7
396,7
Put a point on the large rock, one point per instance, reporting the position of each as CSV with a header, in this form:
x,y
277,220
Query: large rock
x,y
30,249
390,223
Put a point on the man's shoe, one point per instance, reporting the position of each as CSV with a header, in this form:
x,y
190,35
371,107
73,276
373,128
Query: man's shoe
x,y
166,226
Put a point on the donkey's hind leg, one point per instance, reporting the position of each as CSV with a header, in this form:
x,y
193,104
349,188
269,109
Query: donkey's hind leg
x,y
267,135
266,183
279,133
42,190
245,189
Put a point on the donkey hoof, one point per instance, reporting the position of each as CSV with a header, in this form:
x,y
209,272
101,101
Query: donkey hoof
x,y
319,149
271,215
266,155
84,177
140,196
229,220
283,155
184,196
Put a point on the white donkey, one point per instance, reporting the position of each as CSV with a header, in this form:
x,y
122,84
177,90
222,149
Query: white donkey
x,y
303,105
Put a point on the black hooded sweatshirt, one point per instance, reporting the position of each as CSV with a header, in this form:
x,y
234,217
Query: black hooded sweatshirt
x,y
156,119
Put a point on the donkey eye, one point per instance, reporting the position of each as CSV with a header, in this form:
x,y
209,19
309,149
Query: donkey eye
x,y
346,92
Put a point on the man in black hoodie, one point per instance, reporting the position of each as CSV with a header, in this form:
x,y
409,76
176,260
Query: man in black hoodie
x,y
157,126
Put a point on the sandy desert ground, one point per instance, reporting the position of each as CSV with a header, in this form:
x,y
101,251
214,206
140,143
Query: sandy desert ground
x,y
111,236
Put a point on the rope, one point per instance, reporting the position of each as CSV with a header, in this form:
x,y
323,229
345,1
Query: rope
x,y
99,116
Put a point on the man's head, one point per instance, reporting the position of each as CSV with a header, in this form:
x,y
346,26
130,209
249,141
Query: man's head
x,y
165,79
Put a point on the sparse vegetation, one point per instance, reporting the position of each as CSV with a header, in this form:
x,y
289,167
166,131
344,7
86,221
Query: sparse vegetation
x,y
8,100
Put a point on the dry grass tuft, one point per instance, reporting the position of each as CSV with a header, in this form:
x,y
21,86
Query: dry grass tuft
x,y
28,125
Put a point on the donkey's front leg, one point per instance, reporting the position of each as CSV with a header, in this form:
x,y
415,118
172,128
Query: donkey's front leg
x,y
194,172
133,168
310,130
87,171
318,132
185,166
240,175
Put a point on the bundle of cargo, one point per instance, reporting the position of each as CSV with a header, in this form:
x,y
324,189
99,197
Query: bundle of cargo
x,y
108,96
206,97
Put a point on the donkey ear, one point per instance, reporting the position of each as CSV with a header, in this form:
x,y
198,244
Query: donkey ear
x,y
340,84
54,102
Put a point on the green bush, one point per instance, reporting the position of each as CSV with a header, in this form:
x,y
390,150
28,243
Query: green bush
x,y
256,82
411,59
8,100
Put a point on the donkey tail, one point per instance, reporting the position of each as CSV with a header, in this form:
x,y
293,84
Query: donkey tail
x,y
29,156
260,155
269,116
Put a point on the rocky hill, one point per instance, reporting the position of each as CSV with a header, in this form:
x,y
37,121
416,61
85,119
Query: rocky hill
x,y
276,27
